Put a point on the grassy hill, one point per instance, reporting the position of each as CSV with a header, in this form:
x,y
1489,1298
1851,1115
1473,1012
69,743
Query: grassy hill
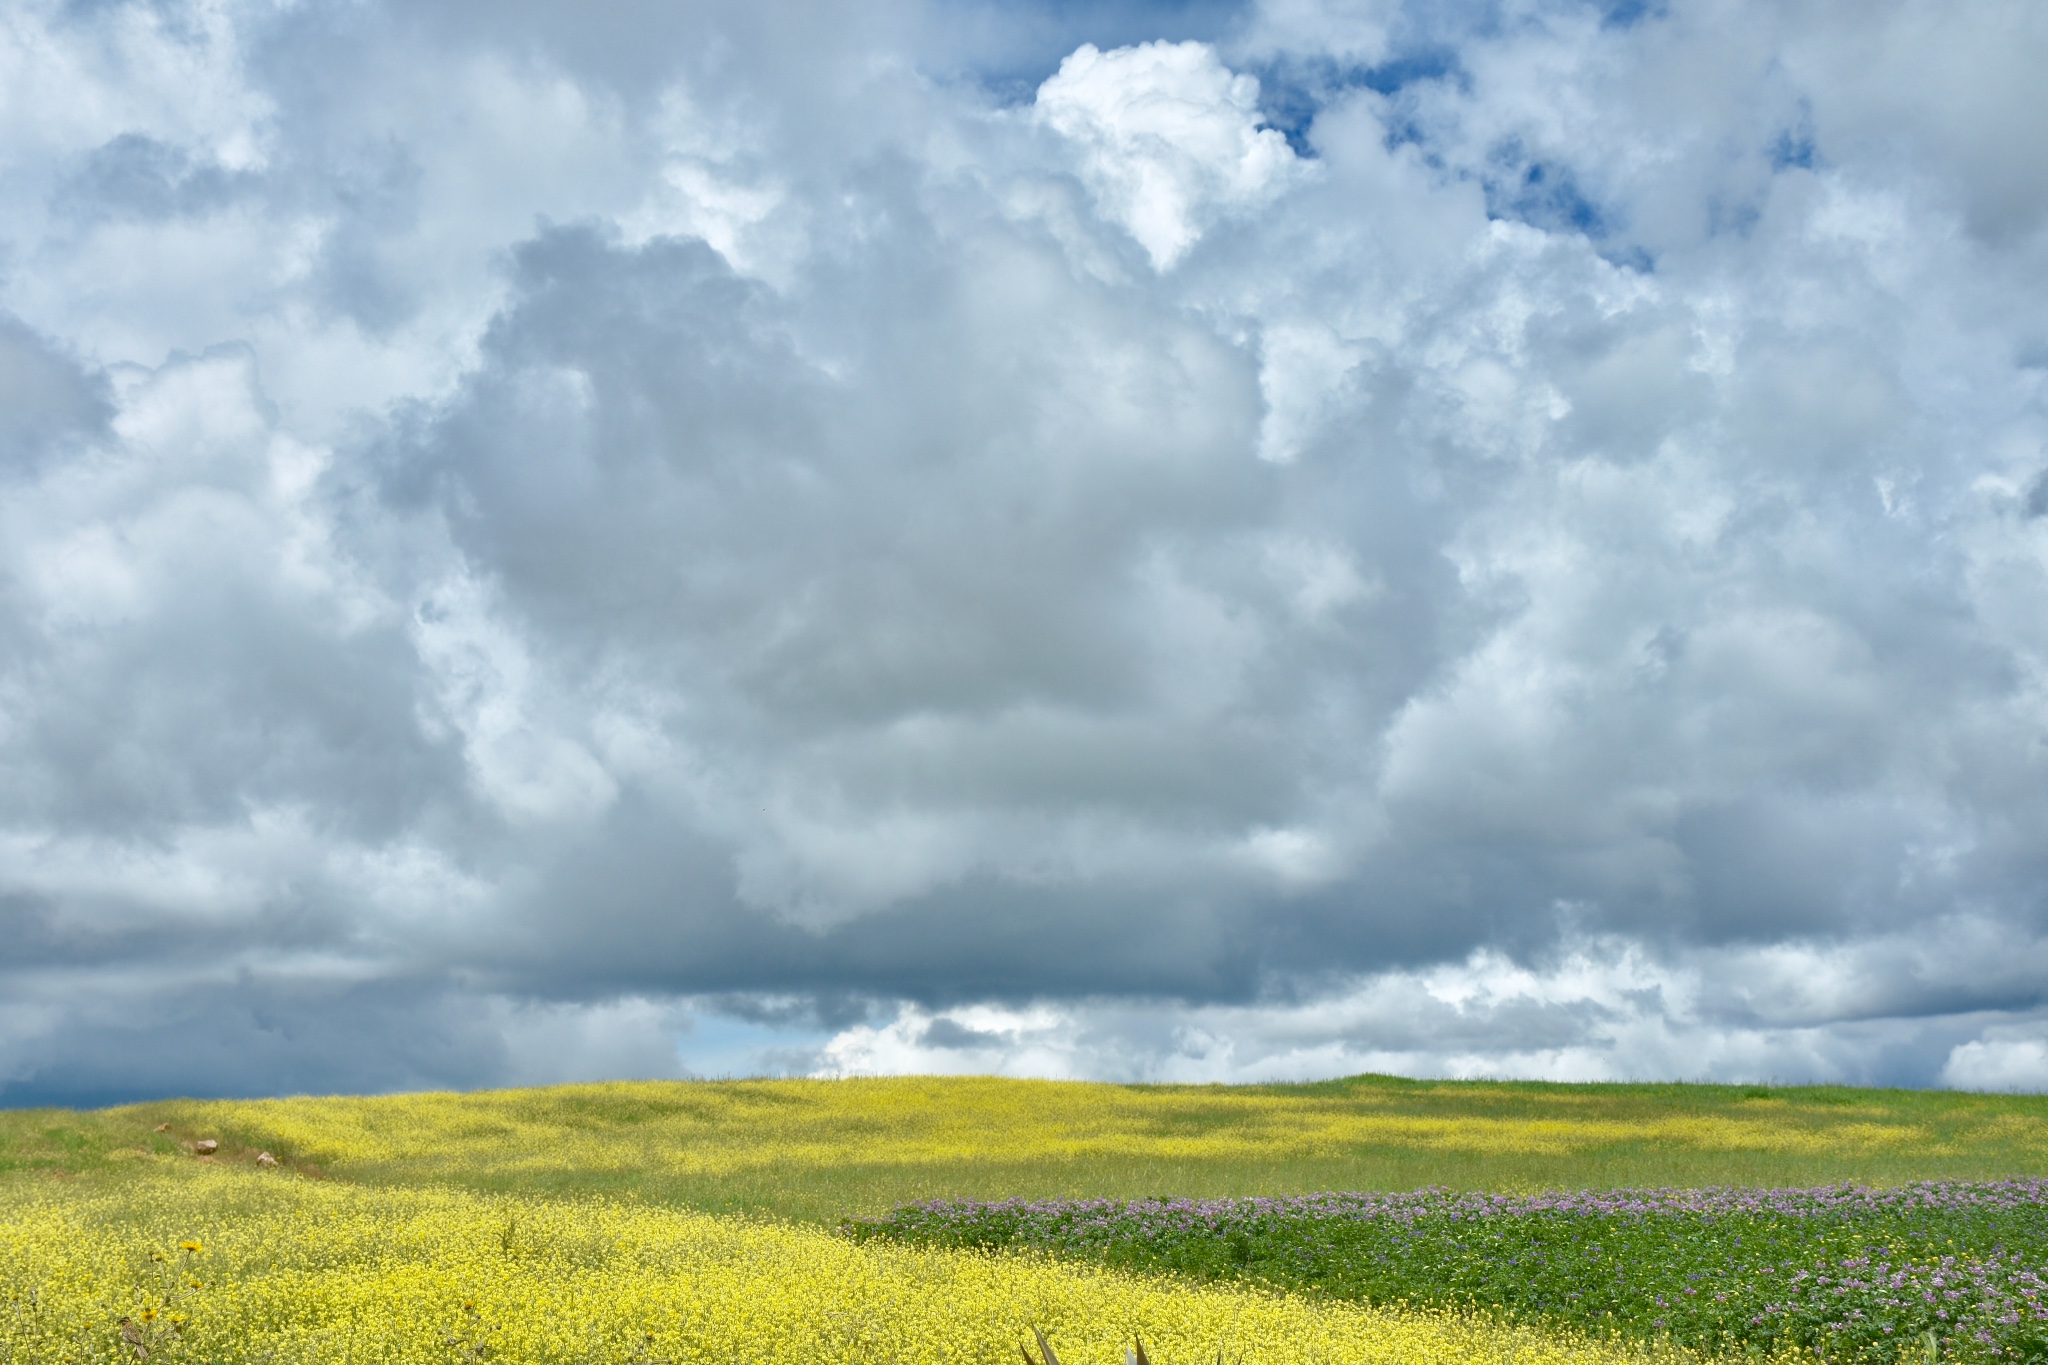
x,y
593,1223
819,1150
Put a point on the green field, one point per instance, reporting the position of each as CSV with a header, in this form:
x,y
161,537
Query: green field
x,y
702,1221
820,1150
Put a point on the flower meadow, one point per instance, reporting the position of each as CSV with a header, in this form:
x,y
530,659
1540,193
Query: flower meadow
x,y
724,1128
745,1221
1934,1270
818,1149
236,1267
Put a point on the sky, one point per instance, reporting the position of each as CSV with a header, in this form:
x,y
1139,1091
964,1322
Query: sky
x,y
1166,542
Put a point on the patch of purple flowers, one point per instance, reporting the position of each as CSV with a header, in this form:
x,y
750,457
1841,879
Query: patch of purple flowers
x,y
1151,1216
1851,1272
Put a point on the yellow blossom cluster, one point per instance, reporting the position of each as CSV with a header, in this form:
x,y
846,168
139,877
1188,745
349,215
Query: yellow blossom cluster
x,y
231,1267
707,1128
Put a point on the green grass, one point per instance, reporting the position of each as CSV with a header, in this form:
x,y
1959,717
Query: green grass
x,y
818,1150
1870,1280
64,1143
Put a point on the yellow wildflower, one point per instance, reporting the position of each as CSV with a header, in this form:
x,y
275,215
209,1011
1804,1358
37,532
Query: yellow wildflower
x,y
300,1263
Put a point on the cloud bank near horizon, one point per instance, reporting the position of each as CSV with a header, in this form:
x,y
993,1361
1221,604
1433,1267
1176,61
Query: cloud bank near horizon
x,y
1190,542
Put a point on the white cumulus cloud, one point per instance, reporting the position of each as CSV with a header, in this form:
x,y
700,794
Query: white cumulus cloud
x,y
1169,139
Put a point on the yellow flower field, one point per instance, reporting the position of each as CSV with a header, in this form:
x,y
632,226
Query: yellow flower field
x,y
699,1142
228,1265
821,1150
555,1226
723,1127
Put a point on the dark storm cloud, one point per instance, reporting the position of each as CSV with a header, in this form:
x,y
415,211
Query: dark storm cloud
x,y
135,176
243,1037
965,540
47,400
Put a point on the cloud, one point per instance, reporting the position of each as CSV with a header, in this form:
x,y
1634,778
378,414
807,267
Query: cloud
x,y
1195,544
1998,1062
1595,1009
47,400
1167,137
